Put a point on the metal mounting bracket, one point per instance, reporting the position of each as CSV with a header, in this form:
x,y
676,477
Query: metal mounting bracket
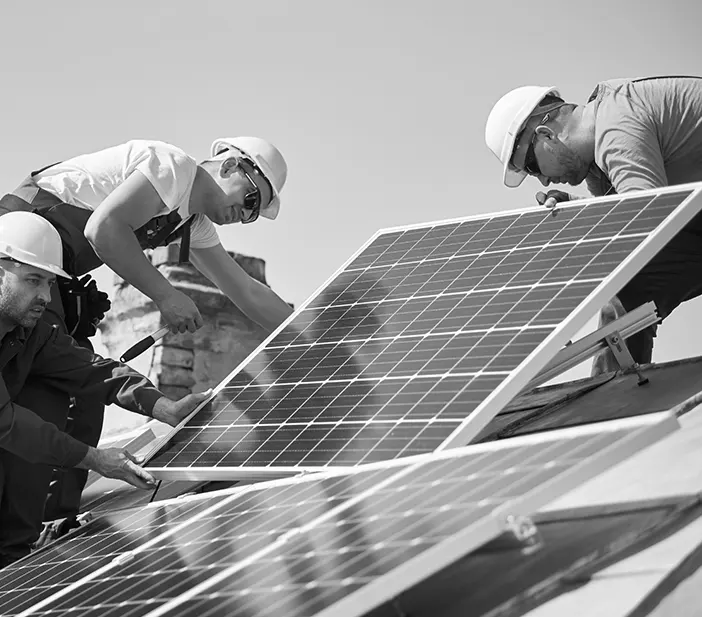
x,y
521,533
574,353
623,356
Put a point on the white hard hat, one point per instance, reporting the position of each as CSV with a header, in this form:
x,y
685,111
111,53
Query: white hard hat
x,y
505,123
32,240
267,158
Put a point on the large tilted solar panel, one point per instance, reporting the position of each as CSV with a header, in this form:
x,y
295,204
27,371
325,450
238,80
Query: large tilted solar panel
x,y
424,328
346,542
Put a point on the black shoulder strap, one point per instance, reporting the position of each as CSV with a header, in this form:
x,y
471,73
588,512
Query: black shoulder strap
x,y
43,169
184,254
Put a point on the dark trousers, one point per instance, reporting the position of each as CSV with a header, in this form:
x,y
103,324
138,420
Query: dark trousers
x,y
669,279
31,493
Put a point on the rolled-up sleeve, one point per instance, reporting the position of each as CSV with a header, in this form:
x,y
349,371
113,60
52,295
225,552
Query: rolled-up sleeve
x,y
79,372
25,434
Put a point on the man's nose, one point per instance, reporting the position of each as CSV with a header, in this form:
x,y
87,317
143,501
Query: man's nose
x,y
544,180
45,293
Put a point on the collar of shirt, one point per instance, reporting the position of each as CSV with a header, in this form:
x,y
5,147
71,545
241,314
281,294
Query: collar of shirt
x,y
11,344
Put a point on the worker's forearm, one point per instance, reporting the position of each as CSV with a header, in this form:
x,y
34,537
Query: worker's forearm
x,y
88,461
256,300
119,249
264,306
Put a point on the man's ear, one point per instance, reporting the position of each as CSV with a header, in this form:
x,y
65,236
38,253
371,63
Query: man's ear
x,y
546,131
228,166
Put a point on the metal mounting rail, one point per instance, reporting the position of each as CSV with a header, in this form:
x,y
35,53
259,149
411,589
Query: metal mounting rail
x,y
574,353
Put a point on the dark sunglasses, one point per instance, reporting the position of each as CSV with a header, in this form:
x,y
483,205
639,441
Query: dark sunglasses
x,y
252,200
531,165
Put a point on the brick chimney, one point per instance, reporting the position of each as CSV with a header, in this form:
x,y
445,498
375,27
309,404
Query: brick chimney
x,y
183,363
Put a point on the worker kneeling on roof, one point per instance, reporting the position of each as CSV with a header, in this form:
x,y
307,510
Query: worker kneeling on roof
x,y
111,204
632,135
31,349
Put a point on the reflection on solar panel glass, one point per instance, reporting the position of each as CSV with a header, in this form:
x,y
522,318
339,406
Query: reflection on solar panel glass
x,y
88,549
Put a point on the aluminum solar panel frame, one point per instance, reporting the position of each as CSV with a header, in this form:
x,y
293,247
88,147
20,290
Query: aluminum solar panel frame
x,y
342,543
421,338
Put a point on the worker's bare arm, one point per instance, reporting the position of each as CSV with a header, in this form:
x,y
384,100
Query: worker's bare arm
x,y
259,302
110,231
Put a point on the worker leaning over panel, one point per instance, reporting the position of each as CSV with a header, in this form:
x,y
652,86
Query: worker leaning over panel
x,y
32,349
111,204
631,135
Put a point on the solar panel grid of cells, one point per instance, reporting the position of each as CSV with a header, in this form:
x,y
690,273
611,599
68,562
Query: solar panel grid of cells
x,y
90,548
134,577
307,545
410,338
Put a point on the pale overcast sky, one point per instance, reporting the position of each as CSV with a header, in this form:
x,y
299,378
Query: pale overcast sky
x,y
379,106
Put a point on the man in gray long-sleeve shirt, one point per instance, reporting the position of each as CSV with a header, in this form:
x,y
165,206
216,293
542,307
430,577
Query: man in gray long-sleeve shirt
x,y
31,440
631,135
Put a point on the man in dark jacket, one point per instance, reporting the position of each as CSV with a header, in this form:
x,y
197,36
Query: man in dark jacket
x,y
32,442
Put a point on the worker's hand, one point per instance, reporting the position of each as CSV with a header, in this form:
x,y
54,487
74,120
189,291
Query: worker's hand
x,y
552,198
172,412
119,464
180,312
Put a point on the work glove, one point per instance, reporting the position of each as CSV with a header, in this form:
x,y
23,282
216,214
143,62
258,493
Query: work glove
x,y
84,306
98,301
552,198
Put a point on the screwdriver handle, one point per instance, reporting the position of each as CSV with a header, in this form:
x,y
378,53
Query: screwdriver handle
x,y
143,345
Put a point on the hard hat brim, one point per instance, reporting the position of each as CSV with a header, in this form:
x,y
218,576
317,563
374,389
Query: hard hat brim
x,y
54,270
272,209
45,267
511,177
27,259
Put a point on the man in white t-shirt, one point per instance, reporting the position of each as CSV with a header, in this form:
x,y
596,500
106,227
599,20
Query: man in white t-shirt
x,y
126,187
110,205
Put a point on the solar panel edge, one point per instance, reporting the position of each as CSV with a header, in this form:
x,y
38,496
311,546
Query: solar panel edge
x,y
391,585
160,443
578,318
642,434
575,203
263,477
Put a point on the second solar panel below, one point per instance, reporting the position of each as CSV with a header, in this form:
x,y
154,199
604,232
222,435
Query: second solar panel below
x,y
345,543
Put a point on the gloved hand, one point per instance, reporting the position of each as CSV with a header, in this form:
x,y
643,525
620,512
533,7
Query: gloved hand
x,y
552,198
84,306
98,301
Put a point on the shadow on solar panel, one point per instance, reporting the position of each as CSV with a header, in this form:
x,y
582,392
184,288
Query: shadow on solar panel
x,y
422,338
